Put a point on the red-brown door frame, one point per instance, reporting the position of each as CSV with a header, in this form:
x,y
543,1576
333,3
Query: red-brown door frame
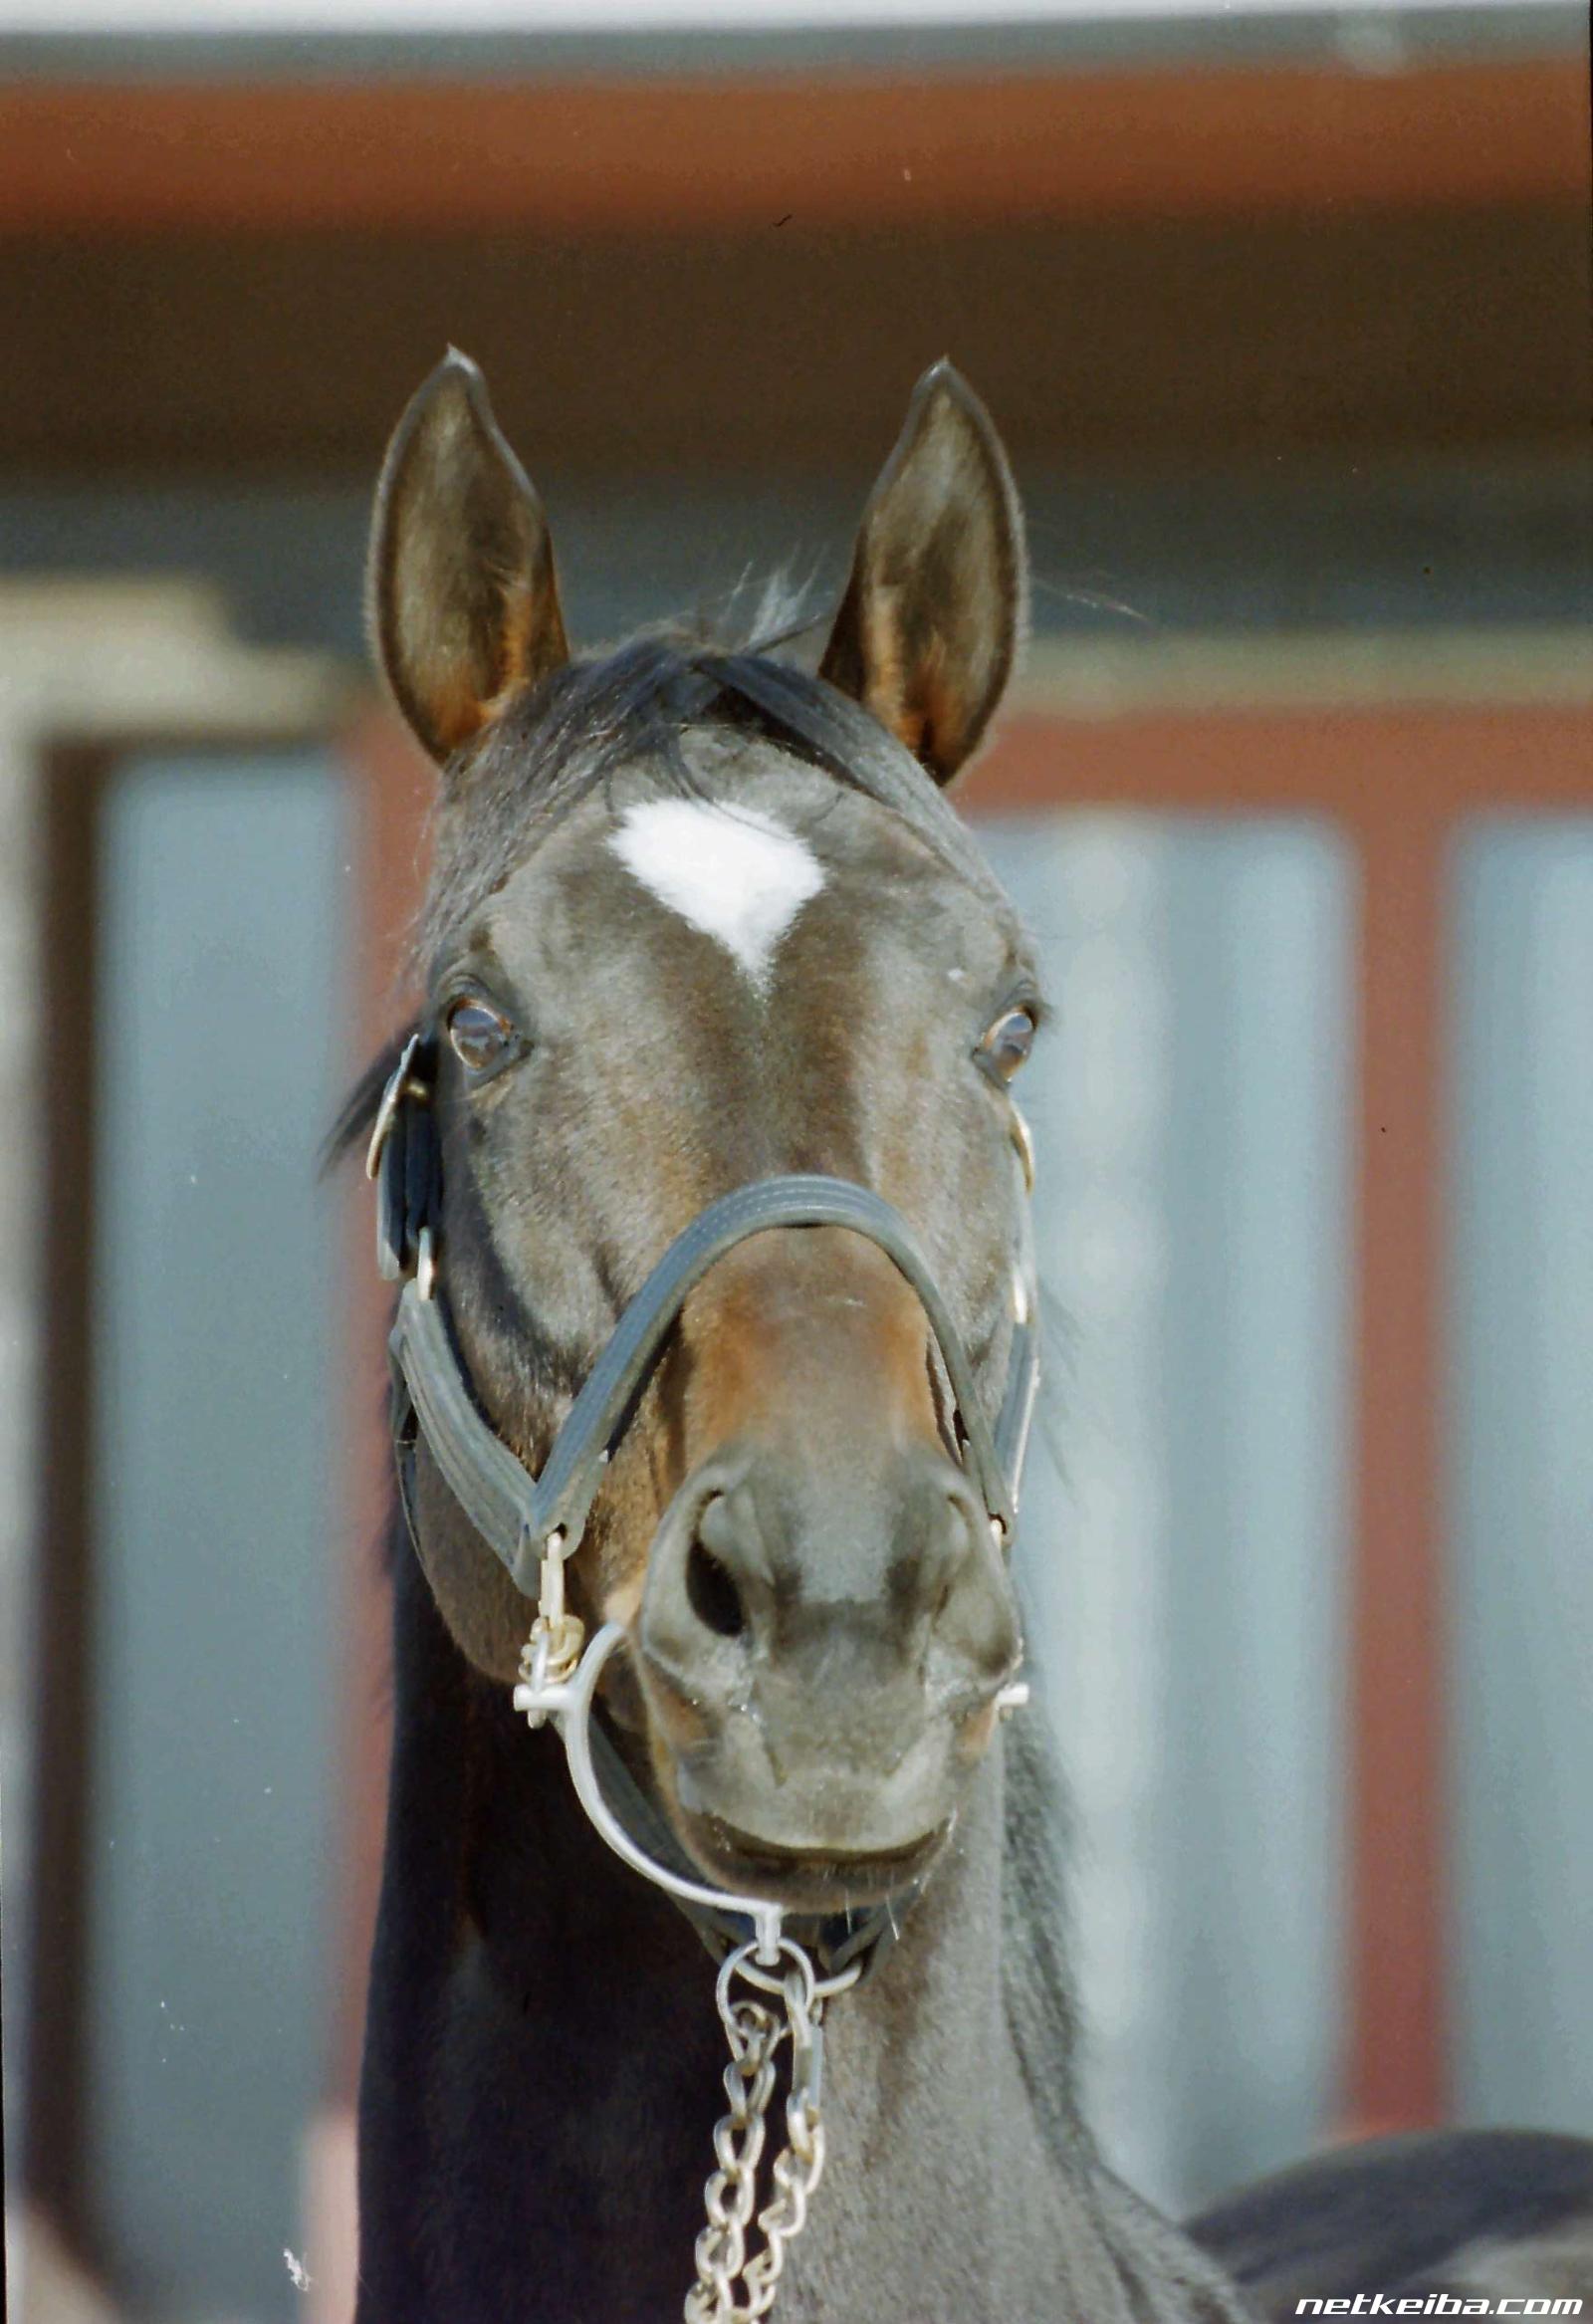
x,y
603,152
391,796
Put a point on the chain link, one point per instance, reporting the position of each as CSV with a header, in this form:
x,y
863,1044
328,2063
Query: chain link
x,y
755,2032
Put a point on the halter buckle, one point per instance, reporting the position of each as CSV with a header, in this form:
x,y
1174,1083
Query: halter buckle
x,y
551,1653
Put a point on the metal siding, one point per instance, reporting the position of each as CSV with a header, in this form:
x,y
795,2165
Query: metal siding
x,y
210,1719
1183,1542
1521,1472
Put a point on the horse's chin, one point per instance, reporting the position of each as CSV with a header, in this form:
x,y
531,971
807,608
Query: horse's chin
x,y
812,1879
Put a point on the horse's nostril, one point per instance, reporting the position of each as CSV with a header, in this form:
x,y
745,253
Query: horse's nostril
x,y
712,1593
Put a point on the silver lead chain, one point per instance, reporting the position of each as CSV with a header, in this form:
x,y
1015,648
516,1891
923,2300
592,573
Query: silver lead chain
x,y
755,2031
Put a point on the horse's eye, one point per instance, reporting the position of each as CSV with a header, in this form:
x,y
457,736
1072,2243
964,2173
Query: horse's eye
x,y
1007,1044
482,1038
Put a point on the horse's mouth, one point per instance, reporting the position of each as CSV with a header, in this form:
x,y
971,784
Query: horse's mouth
x,y
809,1879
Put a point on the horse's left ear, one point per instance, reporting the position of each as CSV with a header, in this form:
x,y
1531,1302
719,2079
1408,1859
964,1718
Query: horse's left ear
x,y
929,627
464,600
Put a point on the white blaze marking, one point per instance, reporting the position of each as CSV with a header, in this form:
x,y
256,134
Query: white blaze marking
x,y
738,876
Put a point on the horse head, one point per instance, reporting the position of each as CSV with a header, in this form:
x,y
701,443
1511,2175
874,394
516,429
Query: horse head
x,y
698,919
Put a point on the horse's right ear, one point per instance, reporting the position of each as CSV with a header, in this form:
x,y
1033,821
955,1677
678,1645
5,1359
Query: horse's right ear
x,y
464,600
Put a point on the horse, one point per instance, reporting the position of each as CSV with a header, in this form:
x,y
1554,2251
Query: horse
x,y
703,1180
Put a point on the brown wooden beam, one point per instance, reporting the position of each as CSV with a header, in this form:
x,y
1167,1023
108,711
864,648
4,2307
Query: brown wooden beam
x,y
389,796
1397,2036
58,2090
1348,763
892,152
1261,341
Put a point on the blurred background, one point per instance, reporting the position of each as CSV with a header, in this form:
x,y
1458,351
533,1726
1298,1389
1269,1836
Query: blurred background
x,y
1283,313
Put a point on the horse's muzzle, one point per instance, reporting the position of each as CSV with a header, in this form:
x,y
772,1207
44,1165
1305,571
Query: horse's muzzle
x,y
821,1639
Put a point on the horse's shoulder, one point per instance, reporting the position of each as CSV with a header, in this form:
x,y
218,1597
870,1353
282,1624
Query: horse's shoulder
x,y
1483,2214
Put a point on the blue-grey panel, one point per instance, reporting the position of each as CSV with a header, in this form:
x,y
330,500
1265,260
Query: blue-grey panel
x,y
1522,1473
481,52
1185,1545
1260,1237
210,1730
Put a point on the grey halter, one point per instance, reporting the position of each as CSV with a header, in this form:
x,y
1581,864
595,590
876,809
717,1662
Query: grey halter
x,y
534,1524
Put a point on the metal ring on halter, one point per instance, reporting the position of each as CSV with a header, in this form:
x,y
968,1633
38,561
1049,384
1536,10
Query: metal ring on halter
x,y
570,1706
744,1963
768,1982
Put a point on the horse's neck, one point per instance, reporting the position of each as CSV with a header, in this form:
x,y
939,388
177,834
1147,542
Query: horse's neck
x,y
960,2183
541,2049
942,2197
544,2066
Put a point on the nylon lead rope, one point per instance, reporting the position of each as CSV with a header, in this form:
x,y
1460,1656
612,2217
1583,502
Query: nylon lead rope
x,y
755,2031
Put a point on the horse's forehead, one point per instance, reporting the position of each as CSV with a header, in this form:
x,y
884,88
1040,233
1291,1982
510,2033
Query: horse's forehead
x,y
724,882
